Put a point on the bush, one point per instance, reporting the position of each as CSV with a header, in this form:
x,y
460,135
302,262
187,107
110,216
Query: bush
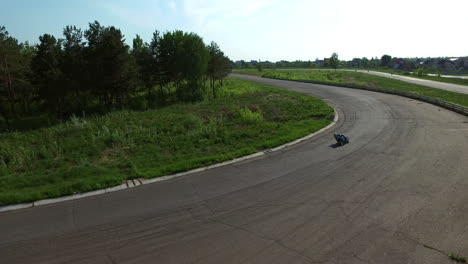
x,y
420,72
249,117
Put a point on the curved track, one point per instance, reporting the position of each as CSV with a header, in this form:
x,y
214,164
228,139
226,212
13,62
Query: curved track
x,y
429,83
402,182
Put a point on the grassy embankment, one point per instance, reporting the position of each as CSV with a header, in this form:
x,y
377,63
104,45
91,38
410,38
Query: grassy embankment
x,y
357,78
84,155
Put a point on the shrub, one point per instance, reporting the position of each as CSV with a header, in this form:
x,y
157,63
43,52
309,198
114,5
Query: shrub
x,y
191,122
76,121
420,72
249,117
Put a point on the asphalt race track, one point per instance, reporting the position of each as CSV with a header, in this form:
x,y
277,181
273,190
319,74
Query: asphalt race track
x,y
434,84
400,184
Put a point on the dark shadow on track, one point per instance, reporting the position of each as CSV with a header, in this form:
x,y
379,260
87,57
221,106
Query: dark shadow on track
x,y
336,145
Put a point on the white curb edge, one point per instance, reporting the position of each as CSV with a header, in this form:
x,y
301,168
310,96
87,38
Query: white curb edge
x,y
162,178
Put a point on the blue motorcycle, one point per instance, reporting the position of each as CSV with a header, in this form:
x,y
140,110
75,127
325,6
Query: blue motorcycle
x,y
341,139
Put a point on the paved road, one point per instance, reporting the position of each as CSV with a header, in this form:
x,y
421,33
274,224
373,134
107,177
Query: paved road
x,y
401,183
440,85
450,76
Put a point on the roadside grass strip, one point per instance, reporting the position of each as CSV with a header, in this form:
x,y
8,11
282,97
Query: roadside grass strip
x,y
83,155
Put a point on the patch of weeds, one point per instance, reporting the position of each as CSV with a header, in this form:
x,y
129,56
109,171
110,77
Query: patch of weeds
x,y
77,121
247,116
457,258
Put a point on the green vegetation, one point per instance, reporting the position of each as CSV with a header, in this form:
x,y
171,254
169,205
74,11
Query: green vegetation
x,y
95,71
357,78
334,61
385,60
257,72
426,77
87,154
457,258
416,67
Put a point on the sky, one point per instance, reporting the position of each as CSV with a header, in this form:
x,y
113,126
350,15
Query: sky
x,y
264,30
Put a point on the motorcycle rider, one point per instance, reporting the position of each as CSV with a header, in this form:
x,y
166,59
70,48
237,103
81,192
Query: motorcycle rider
x,y
340,138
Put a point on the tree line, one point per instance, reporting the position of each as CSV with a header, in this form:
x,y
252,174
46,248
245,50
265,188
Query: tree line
x,y
331,62
283,64
95,69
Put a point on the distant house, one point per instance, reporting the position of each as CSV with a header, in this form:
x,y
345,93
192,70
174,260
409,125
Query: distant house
x,y
462,63
397,63
326,62
402,64
319,62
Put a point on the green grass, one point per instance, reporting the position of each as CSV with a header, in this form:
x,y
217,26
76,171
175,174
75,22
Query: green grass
x,y
27,123
457,258
357,78
87,154
252,71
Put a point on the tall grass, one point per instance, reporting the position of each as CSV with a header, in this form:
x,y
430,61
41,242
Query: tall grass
x,y
247,116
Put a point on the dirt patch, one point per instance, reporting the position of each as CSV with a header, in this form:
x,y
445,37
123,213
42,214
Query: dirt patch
x,y
271,96
254,108
317,117
109,154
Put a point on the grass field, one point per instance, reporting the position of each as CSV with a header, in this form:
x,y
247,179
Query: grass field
x,y
84,155
357,78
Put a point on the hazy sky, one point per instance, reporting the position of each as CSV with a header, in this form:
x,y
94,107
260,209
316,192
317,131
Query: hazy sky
x,y
265,29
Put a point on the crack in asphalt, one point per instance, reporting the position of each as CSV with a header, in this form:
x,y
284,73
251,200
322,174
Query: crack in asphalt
x,y
275,241
354,255
329,204
257,253
109,257
74,215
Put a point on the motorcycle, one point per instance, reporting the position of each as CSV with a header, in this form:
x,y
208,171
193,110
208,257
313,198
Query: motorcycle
x,y
341,139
